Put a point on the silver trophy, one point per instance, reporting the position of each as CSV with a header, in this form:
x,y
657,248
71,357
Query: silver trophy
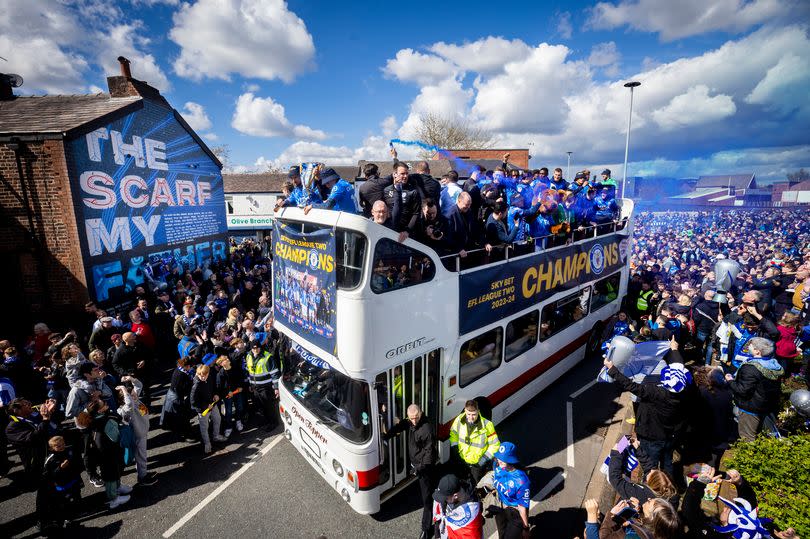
x,y
309,175
725,273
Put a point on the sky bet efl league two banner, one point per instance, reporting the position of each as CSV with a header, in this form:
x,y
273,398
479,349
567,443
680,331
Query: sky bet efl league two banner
x,y
304,283
147,198
494,293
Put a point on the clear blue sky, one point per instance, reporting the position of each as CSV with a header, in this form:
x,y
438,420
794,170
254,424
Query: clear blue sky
x,y
724,83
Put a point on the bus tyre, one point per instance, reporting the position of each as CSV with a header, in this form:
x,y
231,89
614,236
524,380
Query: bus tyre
x,y
594,340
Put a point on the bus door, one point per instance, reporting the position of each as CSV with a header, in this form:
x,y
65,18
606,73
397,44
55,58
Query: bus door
x,y
415,381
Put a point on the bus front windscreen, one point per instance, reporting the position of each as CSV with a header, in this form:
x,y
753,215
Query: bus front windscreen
x,y
339,402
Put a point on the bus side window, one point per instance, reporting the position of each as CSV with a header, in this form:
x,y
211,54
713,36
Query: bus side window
x,y
605,291
521,334
397,266
480,355
564,312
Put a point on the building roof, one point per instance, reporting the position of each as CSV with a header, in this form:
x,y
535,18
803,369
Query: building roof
x,y
702,192
267,182
57,114
738,181
801,186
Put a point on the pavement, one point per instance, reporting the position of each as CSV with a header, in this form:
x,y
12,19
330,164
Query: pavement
x,y
259,485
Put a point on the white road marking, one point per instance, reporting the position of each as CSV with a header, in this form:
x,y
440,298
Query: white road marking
x,y
569,431
582,390
551,485
219,490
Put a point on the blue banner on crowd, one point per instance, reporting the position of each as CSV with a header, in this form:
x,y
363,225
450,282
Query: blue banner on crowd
x,y
149,201
305,284
493,293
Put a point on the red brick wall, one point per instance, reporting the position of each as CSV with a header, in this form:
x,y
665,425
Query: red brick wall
x,y
51,281
518,157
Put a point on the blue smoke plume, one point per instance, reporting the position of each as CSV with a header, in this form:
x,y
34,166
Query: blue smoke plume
x,y
461,166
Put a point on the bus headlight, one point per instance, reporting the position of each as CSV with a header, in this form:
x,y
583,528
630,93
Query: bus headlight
x,y
338,468
288,435
345,495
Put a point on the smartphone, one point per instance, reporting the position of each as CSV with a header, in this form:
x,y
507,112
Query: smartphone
x,y
623,444
627,514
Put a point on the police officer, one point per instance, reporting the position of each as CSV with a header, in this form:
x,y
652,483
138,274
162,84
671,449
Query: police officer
x,y
263,373
644,302
476,440
422,452
512,486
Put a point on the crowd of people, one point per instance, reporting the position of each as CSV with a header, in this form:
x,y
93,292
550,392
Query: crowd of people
x,y
479,215
212,329
730,349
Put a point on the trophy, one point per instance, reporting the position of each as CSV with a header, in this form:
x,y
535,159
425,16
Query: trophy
x,y
309,176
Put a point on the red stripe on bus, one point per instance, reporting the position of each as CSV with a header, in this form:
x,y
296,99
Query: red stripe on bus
x,y
524,379
368,479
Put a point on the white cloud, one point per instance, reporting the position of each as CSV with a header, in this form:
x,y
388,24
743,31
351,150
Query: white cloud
x,y
447,99
564,27
675,20
253,88
389,126
556,104
54,47
604,54
784,86
195,115
264,117
128,40
529,95
211,137
485,56
413,66
253,38
695,107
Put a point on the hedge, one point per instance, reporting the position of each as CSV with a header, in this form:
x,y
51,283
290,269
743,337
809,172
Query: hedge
x,y
778,470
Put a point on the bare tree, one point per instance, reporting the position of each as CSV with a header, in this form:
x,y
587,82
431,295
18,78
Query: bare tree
x,y
223,153
451,133
798,176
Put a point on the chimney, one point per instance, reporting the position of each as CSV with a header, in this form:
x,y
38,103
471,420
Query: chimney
x,y
124,85
125,72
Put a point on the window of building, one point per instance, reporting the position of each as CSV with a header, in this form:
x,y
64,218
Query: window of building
x,y
560,314
397,266
229,204
480,355
521,334
605,291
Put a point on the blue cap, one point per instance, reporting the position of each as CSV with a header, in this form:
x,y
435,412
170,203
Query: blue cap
x,y
507,453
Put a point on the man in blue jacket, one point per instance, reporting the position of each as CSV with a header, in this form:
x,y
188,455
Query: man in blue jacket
x,y
341,193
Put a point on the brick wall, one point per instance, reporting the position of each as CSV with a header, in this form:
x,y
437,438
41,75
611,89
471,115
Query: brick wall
x,y
518,157
49,281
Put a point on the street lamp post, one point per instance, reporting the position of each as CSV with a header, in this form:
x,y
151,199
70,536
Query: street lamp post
x,y
630,85
568,172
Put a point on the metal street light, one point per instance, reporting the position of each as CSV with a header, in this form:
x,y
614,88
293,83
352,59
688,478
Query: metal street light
x,y
568,172
630,85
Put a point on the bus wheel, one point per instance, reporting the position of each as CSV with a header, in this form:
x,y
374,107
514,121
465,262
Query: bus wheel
x,y
594,340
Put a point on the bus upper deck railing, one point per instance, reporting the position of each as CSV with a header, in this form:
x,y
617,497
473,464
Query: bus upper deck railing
x,y
482,257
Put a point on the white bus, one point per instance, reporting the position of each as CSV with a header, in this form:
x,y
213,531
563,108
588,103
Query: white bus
x,y
407,329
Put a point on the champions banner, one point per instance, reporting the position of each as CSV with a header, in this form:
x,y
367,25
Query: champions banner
x,y
491,294
305,284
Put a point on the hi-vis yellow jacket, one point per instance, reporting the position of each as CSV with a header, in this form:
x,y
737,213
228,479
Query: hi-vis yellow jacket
x,y
476,443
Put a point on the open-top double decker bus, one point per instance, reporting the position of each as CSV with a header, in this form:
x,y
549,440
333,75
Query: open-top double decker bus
x,y
377,324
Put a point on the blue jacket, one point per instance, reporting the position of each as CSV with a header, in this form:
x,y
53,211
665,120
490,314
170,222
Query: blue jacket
x,y
341,197
299,197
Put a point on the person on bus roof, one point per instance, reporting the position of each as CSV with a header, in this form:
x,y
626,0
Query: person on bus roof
x,y
476,442
341,193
